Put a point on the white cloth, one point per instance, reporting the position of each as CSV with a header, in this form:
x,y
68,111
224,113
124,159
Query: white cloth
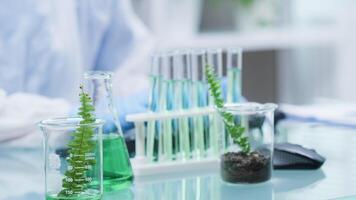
x,y
339,114
19,113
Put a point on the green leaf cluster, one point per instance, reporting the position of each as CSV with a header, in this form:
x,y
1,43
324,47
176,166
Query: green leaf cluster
x,y
244,3
235,131
81,157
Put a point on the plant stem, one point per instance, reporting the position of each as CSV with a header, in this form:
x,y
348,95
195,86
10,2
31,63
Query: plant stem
x,y
235,131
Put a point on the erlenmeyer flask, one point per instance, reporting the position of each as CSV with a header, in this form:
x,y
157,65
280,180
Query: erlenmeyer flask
x,y
117,170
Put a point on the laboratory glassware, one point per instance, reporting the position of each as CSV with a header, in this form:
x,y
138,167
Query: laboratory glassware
x,y
152,134
166,139
181,101
257,121
215,60
155,78
117,168
234,79
234,75
199,100
63,179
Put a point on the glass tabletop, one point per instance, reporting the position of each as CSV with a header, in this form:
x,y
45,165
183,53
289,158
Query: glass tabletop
x,y
22,178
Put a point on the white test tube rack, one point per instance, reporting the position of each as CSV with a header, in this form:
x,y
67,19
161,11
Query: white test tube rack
x,y
142,166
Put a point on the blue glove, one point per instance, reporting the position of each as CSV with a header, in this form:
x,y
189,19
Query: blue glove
x,y
137,103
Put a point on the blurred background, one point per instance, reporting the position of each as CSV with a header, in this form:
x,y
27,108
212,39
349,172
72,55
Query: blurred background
x,y
295,51
300,52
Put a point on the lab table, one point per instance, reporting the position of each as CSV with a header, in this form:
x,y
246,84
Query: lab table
x,y
22,177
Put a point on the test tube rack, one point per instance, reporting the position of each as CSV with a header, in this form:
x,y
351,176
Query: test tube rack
x,y
143,166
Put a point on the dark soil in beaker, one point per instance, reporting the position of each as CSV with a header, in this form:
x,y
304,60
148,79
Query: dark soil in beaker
x,y
239,167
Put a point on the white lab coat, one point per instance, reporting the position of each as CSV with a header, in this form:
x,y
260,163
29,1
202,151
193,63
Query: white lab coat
x,y
46,45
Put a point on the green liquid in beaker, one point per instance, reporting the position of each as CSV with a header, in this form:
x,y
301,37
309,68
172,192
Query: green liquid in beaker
x,y
116,164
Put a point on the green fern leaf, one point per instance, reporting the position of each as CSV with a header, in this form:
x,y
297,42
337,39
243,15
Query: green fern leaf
x,y
235,131
76,180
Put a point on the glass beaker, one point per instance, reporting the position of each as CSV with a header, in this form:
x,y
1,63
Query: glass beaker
x,y
254,163
72,172
234,75
117,168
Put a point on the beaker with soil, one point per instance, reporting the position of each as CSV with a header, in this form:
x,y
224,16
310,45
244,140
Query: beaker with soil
x,y
239,166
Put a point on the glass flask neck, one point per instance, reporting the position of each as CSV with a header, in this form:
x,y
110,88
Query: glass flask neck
x,y
99,86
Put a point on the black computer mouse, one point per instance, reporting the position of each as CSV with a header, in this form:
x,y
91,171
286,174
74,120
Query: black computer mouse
x,y
293,156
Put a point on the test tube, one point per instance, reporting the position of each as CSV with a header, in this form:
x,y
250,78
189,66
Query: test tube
x,y
182,74
177,67
155,78
181,69
214,59
187,77
153,130
234,83
177,97
199,93
165,140
199,99
234,72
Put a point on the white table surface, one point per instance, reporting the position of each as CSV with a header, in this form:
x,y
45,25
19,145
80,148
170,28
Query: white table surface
x,y
21,174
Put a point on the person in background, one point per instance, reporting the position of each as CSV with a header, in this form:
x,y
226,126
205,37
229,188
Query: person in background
x,y
46,46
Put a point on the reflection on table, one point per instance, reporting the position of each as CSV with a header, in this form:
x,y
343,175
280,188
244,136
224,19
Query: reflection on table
x,y
21,174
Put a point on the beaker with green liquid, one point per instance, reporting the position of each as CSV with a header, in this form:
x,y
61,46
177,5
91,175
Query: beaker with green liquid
x,y
117,170
73,158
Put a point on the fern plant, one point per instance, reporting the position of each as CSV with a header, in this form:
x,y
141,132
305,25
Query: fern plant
x,y
81,148
234,130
